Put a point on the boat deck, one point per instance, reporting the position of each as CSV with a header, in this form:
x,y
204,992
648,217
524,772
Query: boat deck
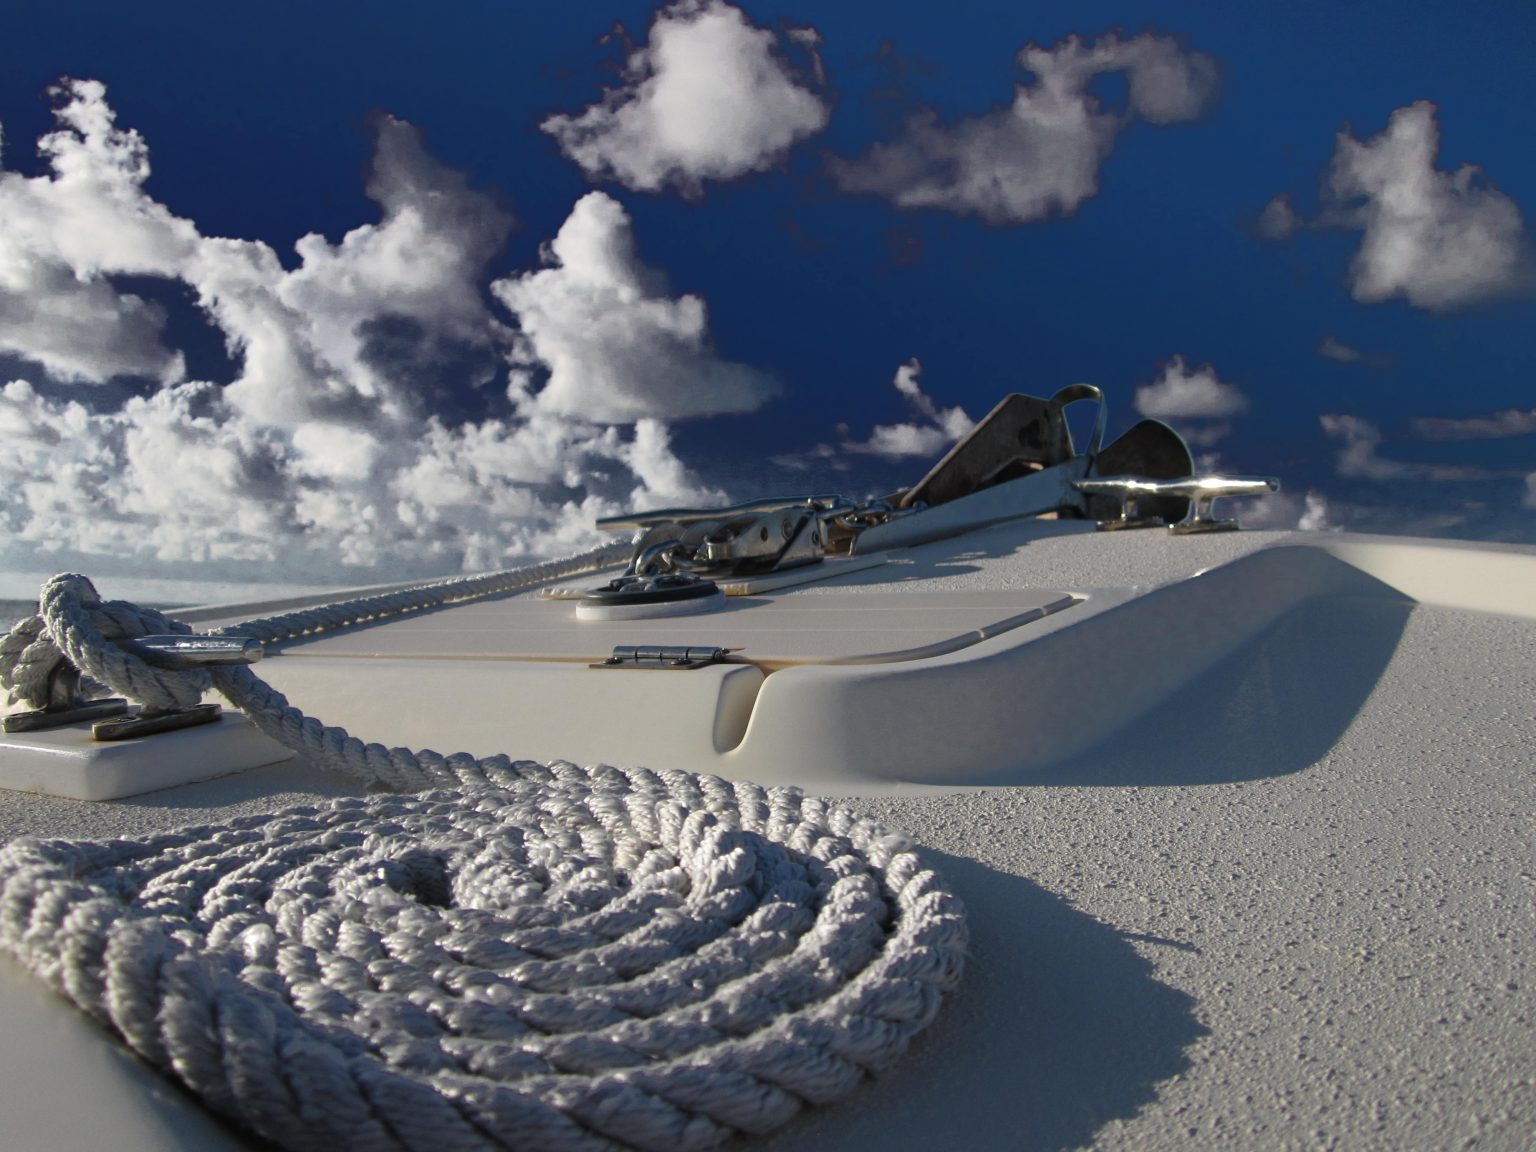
x,y
1291,905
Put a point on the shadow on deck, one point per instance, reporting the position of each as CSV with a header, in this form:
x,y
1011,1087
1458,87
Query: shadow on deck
x,y
1276,705
1059,1028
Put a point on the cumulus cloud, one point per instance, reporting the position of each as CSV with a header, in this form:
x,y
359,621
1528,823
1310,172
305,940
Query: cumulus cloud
x,y
1360,439
1279,220
1314,514
1437,239
1183,394
1359,457
1308,512
1491,426
1041,154
818,458
328,451
80,330
1530,491
65,233
1332,348
710,97
369,326
617,346
175,476
932,431
1197,401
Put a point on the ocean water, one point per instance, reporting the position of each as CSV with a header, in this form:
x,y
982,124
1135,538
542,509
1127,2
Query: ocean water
x,y
14,611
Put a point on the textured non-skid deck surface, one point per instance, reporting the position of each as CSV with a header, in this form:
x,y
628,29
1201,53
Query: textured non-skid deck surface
x,y
1201,952
1297,913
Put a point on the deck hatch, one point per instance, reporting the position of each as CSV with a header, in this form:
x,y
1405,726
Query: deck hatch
x,y
848,625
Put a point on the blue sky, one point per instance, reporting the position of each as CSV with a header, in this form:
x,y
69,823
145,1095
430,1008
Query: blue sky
x,y
794,247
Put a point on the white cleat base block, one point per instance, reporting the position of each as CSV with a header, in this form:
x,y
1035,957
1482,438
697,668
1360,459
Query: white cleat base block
x,y
67,762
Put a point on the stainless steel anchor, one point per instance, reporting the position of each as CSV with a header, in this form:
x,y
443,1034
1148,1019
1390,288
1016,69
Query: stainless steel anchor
x,y
1019,461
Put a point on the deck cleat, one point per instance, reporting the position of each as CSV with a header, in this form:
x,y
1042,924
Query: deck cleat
x,y
66,705
177,653
1200,491
150,721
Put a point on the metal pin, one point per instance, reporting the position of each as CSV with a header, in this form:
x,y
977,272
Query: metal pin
x,y
182,652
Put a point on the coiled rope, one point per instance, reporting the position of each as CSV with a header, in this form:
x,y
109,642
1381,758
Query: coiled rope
x,y
529,957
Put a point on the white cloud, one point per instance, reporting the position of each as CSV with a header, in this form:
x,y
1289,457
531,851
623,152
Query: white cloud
x,y
1332,348
65,233
1042,153
1438,239
617,346
1284,510
898,441
817,458
175,476
1497,510
80,330
1358,456
1314,516
931,431
934,431
1183,395
664,482
1279,220
710,97
1530,491
364,326
953,422
327,452
1493,426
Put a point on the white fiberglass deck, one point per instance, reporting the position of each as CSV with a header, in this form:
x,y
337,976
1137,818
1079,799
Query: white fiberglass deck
x,y
1289,903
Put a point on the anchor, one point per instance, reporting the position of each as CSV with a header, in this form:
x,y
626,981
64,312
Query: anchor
x,y
1019,461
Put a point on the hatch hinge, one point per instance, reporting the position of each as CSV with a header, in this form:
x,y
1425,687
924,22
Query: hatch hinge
x,y
670,656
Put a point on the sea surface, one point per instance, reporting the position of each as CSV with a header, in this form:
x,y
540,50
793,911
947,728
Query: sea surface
x,y
14,611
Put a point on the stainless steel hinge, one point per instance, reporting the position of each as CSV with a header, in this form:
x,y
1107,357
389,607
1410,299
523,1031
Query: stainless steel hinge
x,y
668,656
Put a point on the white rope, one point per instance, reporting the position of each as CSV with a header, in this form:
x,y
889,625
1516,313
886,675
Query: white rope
x,y
545,957
271,629
29,654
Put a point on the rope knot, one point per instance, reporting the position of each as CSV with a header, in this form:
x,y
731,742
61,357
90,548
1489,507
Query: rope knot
x,y
76,626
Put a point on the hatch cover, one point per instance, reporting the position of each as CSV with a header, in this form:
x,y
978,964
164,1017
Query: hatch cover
x,y
830,627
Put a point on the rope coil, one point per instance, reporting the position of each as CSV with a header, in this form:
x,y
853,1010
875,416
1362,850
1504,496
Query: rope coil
x,y
545,957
